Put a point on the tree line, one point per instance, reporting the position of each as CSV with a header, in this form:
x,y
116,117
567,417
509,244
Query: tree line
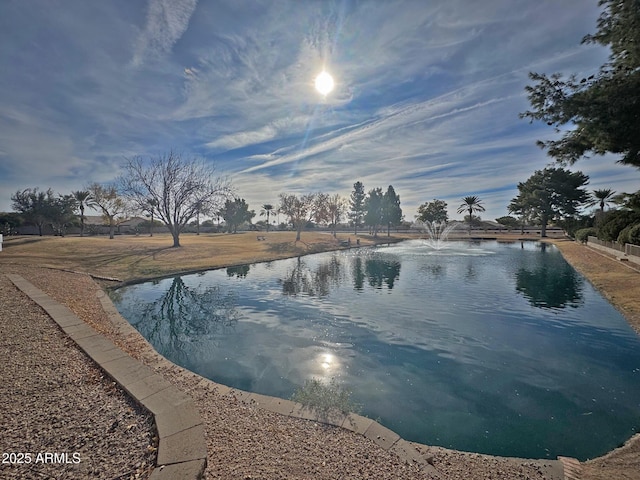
x,y
176,190
375,209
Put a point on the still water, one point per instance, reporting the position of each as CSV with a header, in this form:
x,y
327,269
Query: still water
x,y
499,348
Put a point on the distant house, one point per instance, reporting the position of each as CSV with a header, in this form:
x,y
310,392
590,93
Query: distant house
x,y
131,225
99,225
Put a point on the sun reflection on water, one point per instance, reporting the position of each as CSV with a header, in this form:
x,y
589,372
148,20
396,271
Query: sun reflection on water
x,y
330,365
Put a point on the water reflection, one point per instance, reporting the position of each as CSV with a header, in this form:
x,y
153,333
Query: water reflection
x,y
382,272
240,271
550,285
436,271
358,274
471,274
457,351
181,314
313,281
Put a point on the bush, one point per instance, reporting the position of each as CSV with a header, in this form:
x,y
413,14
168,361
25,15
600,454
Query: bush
x,y
634,234
582,234
614,222
572,225
623,236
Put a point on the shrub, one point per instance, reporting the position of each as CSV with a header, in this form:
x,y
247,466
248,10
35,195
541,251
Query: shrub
x,y
614,222
572,225
623,236
582,234
634,234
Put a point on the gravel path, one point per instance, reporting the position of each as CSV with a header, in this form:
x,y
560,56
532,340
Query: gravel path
x,y
243,441
56,401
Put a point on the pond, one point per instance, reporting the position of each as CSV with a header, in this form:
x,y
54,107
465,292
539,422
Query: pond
x,y
499,348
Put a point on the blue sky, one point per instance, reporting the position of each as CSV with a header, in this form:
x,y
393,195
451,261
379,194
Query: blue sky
x,y
427,93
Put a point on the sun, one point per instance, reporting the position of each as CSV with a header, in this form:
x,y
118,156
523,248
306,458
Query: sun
x,y
324,83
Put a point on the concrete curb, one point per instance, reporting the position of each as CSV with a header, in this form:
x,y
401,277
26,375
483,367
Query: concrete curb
x,y
182,451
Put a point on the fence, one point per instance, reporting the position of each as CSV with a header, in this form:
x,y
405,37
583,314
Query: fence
x,y
605,243
632,249
628,251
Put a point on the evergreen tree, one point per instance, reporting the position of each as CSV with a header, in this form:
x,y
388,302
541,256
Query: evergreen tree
x,y
267,208
435,211
357,205
471,204
603,197
604,108
374,210
392,213
34,206
235,212
551,194
83,199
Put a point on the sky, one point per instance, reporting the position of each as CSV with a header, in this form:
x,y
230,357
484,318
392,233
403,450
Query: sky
x,y
427,94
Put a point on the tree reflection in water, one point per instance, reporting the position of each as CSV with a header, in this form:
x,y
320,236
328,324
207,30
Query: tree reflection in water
x,y
240,271
553,283
319,280
315,282
183,314
358,274
382,272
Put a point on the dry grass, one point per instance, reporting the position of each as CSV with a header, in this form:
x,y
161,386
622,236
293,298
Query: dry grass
x,y
131,258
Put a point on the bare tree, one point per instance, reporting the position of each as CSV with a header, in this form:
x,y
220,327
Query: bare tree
x,y
336,208
183,188
303,209
113,206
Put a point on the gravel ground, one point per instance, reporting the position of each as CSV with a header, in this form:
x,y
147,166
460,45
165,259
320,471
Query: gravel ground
x,y
243,441
56,401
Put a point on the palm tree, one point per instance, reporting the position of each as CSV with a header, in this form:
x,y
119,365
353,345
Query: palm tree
x,y
266,210
603,197
471,204
83,199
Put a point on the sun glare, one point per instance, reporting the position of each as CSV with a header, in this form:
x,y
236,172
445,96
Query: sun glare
x,y
324,83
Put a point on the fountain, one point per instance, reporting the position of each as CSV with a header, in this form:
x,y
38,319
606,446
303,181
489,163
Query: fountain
x,y
437,232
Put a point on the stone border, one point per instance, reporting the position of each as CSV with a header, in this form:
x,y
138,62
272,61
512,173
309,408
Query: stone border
x,y
182,451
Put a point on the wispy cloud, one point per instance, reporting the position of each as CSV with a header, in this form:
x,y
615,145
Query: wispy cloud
x,y
427,93
167,20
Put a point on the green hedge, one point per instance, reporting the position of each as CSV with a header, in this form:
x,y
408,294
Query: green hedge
x,y
582,234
